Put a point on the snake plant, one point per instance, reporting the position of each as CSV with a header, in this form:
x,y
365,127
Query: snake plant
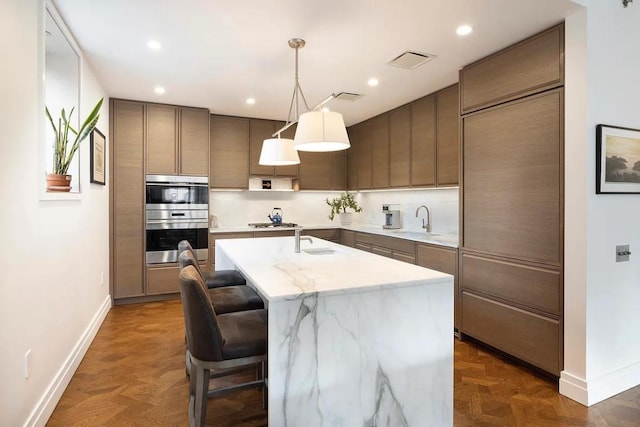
x,y
68,139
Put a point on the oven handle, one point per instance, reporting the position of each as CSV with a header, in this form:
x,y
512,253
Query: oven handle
x,y
176,225
170,184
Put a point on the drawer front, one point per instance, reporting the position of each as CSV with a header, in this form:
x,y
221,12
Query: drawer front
x,y
363,246
532,65
283,233
332,234
364,238
163,280
348,238
527,336
400,256
381,251
439,259
400,245
533,287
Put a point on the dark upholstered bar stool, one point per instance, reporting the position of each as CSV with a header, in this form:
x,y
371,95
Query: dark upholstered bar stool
x,y
214,279
226,299
218,345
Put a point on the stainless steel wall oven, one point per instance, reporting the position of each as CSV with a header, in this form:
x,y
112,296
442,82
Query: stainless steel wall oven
x,y
176,209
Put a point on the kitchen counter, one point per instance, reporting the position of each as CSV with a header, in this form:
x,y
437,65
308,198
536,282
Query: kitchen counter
x,y
442,239
354,338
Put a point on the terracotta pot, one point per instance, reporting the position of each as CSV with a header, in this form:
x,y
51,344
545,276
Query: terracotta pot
x,y
57,182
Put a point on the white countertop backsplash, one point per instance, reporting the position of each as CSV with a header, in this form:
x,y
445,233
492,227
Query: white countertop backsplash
x,y
236,209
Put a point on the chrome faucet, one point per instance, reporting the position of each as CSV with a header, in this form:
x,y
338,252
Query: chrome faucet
x,y
297,231
426,226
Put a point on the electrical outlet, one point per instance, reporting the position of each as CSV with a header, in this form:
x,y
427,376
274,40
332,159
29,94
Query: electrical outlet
x,y
27,364
622,253
102,278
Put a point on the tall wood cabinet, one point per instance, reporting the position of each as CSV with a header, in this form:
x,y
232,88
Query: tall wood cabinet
x,y
423,141
229,162
512,200
177,141
127,198
147,138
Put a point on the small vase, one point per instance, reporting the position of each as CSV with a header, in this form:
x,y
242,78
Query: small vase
x,y
58,183
346,218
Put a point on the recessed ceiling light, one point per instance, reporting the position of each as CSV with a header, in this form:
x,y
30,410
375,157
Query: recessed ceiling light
x,y
372,82
325,109
154,44
159,90
464,30
251,101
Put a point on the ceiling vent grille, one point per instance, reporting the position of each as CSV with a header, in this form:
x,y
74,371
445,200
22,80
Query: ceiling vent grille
x,y
348,96
411,60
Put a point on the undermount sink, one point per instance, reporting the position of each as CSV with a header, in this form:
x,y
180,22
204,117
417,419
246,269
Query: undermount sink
x,y
416,233
319,251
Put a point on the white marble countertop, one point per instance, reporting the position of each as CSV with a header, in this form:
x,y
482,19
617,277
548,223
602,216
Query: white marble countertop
x,y
442,239
279,273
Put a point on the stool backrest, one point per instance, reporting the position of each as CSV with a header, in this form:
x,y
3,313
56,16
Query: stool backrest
x,y
187,257
203,333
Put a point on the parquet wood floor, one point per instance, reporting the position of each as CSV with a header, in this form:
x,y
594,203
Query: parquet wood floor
x,y
133,375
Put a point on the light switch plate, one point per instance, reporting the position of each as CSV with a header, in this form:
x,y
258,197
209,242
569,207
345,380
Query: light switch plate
x,y
622,253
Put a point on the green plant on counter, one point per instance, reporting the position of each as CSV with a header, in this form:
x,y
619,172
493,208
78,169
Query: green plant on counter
x,y
64,147
341,204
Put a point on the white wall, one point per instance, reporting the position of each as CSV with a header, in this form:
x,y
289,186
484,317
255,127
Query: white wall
x,y
54,251
608,324
237,208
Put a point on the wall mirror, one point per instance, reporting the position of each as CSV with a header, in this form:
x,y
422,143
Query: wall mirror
x,y
61,85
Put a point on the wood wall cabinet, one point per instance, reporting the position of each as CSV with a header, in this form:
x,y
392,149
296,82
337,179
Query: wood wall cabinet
x,y
511,258
177,140
259,131
229,152
352,157
363,156
127,231
423,142
291,171
380,151
531,66
400,147
322,171
447,140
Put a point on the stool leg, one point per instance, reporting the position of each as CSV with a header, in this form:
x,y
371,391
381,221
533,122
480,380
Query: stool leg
x,y
201,394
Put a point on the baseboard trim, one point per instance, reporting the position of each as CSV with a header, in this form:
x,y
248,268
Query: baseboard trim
x,y
593,391
47,403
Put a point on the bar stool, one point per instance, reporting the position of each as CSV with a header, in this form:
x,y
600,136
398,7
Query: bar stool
x,y
225,299
214,279
224,343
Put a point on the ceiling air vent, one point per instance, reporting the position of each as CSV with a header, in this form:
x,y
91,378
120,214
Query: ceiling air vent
x,y
411,60
348,96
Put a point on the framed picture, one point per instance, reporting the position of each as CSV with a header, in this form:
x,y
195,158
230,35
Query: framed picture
x,y
98,160
617,160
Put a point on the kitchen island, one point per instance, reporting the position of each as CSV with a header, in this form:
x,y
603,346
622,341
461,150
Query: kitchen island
x,y
355,339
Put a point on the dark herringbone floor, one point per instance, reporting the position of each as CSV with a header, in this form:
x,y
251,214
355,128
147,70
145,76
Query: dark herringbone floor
x,y
133,375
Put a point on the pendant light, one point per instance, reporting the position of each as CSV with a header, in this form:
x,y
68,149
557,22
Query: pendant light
x,y
317,130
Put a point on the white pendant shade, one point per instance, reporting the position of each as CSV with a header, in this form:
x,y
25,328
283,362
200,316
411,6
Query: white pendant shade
x,y
278,152
321,131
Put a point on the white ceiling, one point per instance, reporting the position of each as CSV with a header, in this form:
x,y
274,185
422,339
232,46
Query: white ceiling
x,y
217,53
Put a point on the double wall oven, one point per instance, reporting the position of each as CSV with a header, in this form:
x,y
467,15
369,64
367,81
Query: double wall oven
x,y
176,209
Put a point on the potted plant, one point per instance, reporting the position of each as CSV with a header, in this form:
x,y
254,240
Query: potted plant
x,y
67,142
339,205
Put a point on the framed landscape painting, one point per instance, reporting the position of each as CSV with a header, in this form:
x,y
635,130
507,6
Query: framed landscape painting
x,y
617,160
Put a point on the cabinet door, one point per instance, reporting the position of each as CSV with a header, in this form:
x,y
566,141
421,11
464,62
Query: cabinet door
x,y
291,170
229,159
447,140
194,141
348,238
444,260
162,139
363,155
400,147
163,279
316,170
531,66
352,157
127,132
260,130
339,170
380,152
423,138
512,204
